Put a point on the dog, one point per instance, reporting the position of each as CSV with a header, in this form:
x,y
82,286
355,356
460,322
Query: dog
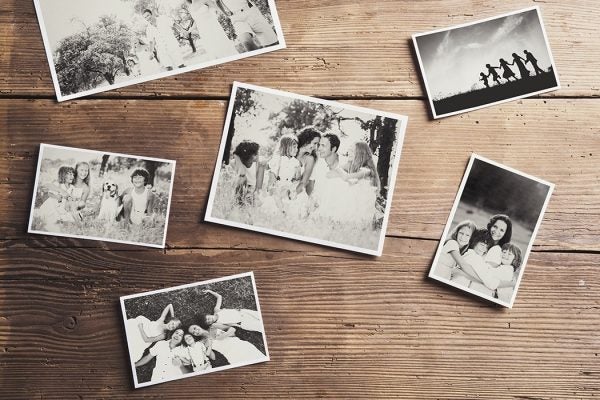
x,y
110,204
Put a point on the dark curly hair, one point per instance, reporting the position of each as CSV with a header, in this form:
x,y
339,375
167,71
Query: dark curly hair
x,y
245,151
481,236
334,141
143,173
307,135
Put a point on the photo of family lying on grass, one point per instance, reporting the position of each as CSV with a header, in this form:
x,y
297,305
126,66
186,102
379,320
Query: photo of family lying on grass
x,y
194,329
94,46
475,56
98,195
306,169
491,230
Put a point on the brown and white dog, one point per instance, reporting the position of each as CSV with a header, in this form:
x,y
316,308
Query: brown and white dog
x,y
110,204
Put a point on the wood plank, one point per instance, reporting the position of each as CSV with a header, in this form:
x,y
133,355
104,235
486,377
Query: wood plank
x,y
335,327
335,49
535,136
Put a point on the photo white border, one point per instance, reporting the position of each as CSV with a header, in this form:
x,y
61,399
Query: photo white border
x,y
451,218
398,151
192,374
35,187
433,112
223,60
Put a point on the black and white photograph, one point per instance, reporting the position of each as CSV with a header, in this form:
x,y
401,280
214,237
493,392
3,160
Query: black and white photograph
x,y
194,329
95,46
486,62
490,231
99,195
306,169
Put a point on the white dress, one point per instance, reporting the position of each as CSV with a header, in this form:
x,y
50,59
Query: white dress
x,y
167,46
135,341
194,356
445,265
285,168
212,36
53,211
246,319
139,202
164,368
235,350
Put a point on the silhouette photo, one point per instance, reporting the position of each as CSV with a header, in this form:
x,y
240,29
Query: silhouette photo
x,y
486,62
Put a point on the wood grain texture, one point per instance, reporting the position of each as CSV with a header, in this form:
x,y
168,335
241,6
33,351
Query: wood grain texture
x,y
338,324
335,49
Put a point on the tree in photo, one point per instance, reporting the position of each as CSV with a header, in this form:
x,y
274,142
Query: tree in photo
x,y
244,102
97,54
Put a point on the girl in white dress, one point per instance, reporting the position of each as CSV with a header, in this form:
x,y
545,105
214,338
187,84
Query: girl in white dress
x,y
167,364
454,248
213,37
58,206
160,33
284,171
194,354
141,332
511,256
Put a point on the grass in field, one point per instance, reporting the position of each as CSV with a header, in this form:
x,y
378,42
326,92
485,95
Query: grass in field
x,y
267,215
190,303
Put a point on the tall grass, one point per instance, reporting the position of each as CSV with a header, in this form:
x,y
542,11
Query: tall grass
x,y
264,213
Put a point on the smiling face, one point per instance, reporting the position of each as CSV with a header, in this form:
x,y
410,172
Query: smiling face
x,y
480,248
173,324
463,236
324,148
211,319
82,171
148,16
498,230
507,257
189,339
177,336
293,149
69,177
138,181
196,330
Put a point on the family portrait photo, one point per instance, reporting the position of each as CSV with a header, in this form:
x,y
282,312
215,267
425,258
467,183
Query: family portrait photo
x,y
98,195
486,62
95,46
194,329
306,169
491,230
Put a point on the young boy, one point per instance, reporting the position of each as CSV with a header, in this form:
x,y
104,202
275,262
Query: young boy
x,y
138,201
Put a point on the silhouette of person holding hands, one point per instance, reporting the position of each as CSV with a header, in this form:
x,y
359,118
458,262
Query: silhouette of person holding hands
x,y
508,73
530,58
520,63
484,78
493,73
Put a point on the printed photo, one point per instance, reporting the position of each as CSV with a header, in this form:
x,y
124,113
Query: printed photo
x,y
194,329
98,195
306,169
95,46
486,62
491,230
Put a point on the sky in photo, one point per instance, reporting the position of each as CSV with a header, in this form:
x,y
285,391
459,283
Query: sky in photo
x,y
453,59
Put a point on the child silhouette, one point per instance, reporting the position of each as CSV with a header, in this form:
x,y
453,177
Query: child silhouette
x,y
493,73
484,78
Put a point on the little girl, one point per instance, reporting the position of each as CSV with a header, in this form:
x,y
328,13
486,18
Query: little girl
x,y
454,248
284,171
472,267
58,206
246,168
511,258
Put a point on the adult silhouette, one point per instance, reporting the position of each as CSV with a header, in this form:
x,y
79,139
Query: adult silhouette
x,y
530,58
520,63
508,73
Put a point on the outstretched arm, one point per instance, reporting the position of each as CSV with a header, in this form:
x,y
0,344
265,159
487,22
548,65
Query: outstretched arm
x,y
150,339
219,300
168,309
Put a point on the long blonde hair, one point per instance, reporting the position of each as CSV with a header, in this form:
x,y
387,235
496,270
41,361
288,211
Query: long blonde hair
x,y
363,158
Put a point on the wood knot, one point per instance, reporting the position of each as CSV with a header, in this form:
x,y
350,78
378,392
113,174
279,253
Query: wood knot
x,y
70,323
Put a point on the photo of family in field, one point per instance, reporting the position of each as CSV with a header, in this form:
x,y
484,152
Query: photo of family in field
x,y
490,61
96,46
306,169
194,329
98,195
490,231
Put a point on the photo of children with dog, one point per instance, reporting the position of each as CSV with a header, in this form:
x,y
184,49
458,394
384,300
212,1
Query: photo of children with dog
x,y
194,329
100,195
491,230
306,169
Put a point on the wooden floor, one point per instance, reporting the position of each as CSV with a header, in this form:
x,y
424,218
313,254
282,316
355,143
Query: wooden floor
x,y
338,324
